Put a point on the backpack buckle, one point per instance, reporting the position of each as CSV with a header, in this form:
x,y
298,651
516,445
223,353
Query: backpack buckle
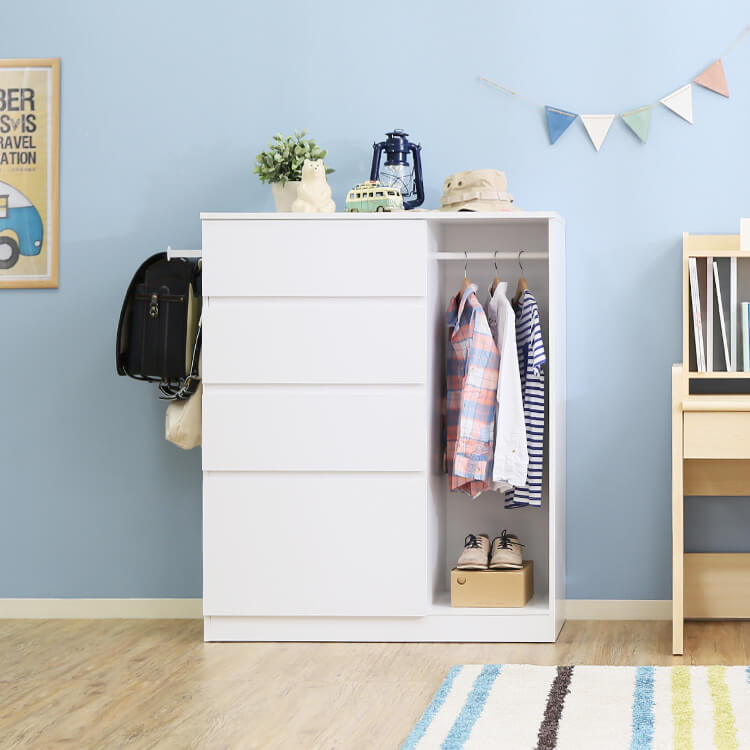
x,y
153,308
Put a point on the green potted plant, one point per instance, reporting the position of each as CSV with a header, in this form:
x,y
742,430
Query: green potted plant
x,y
281,165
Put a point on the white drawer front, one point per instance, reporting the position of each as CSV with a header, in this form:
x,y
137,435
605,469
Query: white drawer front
x,y
314,340
314,258
314,544
314,428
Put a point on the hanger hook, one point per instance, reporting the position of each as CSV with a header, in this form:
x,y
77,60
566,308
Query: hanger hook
x,y
466,264
520,252
497,272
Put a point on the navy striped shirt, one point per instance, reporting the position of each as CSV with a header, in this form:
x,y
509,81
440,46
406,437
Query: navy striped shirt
x,y
531,358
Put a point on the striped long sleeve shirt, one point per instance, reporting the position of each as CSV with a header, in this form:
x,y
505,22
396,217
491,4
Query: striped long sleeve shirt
x,y
531,359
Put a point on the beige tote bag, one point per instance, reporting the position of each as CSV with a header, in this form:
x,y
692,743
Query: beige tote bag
x,y
183,423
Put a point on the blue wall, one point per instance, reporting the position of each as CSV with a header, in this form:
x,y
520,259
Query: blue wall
x,y
164,106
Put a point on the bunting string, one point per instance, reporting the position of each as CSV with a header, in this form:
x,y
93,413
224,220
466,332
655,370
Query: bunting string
x,y
731,47
679,101
509,91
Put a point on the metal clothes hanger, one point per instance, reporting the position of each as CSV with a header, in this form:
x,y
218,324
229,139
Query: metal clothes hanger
x,y
522,285
466,283
497,279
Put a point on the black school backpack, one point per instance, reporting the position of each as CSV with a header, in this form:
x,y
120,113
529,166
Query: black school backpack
x,y
158,336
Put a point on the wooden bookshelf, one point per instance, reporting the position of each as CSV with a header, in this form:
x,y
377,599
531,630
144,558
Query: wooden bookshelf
x,y
710,452
717,246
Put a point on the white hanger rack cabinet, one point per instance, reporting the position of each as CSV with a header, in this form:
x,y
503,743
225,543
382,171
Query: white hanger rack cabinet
x,y
326,514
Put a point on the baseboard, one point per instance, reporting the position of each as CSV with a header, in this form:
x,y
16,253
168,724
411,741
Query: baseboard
x,y
176,609
98,609
618,609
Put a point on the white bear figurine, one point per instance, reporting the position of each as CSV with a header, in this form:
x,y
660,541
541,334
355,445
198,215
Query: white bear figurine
x,y
314,193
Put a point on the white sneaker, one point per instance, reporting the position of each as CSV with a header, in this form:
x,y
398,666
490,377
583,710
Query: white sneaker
x,y
506,552
476,553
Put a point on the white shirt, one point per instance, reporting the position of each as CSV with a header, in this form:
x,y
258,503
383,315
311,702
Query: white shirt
x,y
511,453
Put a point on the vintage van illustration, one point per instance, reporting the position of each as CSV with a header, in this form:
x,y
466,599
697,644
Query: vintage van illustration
x,y
21,230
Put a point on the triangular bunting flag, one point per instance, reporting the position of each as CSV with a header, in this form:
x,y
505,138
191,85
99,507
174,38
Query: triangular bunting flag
x,y
713,78
638,121
558,121
681,102
597,126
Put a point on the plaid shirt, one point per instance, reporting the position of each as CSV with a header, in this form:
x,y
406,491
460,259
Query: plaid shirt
x,y
471,398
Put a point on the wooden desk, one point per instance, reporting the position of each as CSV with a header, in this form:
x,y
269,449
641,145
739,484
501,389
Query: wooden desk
x,y
710,457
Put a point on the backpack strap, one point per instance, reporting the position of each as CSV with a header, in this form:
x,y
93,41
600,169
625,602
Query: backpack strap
x,y
188,386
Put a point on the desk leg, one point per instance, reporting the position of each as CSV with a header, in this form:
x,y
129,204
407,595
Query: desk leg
x,y
678,523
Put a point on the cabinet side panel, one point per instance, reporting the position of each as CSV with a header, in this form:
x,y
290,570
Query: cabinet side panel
x,y
557,411
436,478
678,527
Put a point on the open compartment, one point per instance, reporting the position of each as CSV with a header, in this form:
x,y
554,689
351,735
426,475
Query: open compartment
x,y
454,514
721,293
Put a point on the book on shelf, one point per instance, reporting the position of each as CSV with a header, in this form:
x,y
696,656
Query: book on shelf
x,y
733,313
745,340
709,315
700,356
722,321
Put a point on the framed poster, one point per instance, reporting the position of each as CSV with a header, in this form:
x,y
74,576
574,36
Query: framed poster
x,y
29,172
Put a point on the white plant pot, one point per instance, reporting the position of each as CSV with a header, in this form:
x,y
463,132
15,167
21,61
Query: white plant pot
x,y
284,195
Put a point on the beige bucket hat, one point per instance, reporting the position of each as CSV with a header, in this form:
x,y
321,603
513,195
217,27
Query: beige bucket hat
x,y
476,190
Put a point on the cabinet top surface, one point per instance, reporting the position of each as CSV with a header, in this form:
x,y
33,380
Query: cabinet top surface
x,y
440,217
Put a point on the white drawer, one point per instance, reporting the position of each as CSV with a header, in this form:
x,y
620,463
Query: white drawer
x,y
314,428
265,340
314,544
314,258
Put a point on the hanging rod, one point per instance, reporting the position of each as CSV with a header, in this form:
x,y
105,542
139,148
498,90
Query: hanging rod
x,y
477,255
183,253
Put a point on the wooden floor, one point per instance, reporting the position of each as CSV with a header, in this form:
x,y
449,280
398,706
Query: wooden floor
x,y
154,683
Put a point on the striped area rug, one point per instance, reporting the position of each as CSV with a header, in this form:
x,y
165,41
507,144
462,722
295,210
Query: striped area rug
x,y
521,707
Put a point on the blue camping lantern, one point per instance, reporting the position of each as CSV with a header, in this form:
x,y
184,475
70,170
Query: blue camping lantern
x,y
397,171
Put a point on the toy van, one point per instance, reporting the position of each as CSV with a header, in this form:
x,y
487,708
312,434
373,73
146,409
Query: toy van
x,y
374,196
21,230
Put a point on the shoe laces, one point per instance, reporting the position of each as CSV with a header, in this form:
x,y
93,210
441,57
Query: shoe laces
x,y
506,542
472,541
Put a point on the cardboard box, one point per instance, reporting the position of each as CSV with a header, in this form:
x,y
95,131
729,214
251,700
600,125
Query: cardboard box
x,y
492,588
